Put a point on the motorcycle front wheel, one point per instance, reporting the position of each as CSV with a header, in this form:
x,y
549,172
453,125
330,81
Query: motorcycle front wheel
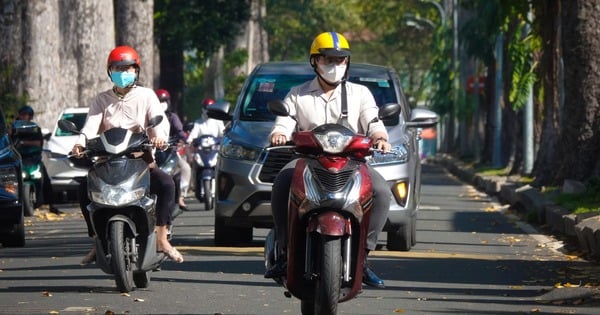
x,y
328,284
209,201
121,254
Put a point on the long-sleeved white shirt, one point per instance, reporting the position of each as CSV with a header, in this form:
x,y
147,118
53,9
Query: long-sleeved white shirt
x,y
311,108
206,126
134,110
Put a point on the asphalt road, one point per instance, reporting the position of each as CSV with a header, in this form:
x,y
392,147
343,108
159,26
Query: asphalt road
x,y
472,257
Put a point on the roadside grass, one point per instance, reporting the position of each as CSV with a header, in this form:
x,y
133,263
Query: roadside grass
x,y
586,202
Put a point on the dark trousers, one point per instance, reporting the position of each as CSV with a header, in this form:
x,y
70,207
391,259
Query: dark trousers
x,y
161,184
280,196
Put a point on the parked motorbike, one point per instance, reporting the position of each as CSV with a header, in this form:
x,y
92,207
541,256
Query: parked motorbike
x,y
205,155
122,209
31,155
328,216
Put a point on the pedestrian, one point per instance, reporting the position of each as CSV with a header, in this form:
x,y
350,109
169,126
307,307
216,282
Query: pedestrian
x,y
177,132
26,113
129,105
317,102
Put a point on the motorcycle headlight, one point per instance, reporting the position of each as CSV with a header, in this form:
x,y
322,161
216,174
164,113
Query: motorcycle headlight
x,y
117,195
169,166
32,172
238,152
9,180
333,141
399,154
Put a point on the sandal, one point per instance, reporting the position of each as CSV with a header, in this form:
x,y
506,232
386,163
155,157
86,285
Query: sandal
x,y
173,254
89,258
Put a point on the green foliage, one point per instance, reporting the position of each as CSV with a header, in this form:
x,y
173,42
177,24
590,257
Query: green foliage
x,y
292,25
202,26
9,100
520,52
233,84
586,202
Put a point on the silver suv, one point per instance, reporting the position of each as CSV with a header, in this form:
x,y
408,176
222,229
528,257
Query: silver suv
x,y
245,171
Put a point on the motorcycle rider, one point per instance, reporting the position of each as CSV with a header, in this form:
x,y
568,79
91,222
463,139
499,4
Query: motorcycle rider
x,y
128,105
205,125
317,102
26,113
176,131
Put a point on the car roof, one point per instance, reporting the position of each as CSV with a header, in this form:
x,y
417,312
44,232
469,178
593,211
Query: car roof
x,y
75,110
304,68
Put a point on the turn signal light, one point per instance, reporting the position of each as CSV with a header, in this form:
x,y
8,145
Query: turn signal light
x,y
400,191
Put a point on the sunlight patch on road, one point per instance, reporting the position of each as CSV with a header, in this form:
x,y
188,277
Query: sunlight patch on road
x,y
258,251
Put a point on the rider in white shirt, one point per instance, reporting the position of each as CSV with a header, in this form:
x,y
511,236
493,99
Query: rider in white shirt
x,y
205,125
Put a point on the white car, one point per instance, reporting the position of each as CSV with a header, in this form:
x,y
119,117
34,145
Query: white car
x,y
61,170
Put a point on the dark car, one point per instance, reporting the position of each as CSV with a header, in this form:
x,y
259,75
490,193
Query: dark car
x,y
245,171
12,225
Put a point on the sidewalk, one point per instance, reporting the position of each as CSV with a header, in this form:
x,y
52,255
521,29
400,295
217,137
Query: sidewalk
x,y
583,229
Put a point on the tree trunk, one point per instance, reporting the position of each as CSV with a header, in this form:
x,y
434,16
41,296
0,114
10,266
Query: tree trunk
x,y
254,38
11,60
55,49
135,28
580,120
545,165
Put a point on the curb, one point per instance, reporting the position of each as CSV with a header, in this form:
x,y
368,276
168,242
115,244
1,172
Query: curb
x,y
585,228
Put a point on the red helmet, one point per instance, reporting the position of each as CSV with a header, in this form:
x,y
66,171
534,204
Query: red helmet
x,y
207,102
123,56
163,95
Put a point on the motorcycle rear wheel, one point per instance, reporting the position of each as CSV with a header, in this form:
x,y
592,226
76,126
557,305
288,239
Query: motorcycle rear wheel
x,y
32,197
328,284
121,254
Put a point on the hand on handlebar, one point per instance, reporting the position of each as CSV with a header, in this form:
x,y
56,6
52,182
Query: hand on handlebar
x,y
78,151
278,139
382,145
159,143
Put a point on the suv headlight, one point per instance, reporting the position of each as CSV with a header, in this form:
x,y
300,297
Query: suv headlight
x,y
9,180
399,154
238,152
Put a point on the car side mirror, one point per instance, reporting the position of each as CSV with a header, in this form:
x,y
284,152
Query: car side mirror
x,y
422,118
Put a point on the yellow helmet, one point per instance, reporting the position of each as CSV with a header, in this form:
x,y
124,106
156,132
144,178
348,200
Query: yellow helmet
x,y
330,44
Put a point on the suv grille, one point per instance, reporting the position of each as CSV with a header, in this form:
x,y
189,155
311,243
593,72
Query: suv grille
x,y
331,181
274,162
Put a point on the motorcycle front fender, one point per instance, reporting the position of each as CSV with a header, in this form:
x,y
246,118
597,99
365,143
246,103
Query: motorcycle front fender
x,y
208,173
329,223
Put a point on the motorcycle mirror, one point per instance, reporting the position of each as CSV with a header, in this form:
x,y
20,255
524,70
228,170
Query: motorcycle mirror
x,y
68,125
278,108
219,111
389,110
155,121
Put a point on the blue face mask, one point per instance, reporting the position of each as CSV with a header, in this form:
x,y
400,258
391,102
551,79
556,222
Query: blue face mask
x,y
123,79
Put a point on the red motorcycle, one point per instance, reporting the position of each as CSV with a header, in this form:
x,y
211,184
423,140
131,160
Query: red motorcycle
x,y
328,217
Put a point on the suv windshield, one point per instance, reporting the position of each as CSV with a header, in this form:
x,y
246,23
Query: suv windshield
x,y
268,87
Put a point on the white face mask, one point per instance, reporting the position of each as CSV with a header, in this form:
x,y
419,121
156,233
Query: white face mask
x,y
164,106
332,73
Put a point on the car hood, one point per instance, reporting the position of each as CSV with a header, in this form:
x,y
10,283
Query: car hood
x,y
61,145
252,133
